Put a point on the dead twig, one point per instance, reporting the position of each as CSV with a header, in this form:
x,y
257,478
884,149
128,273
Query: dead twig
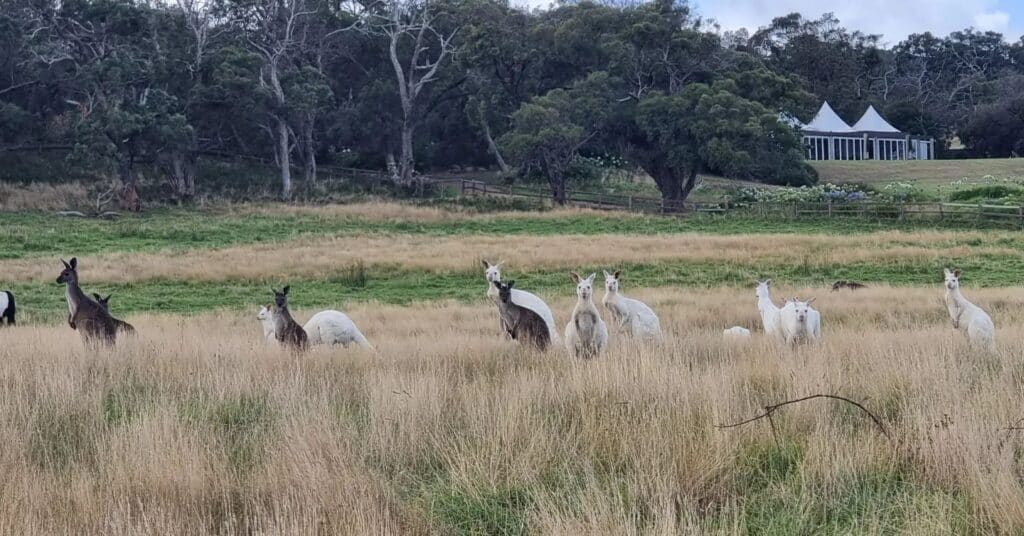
x,y
768,410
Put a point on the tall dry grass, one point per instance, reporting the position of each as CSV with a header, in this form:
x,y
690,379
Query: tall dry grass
x,y
35,196
322,256
197,427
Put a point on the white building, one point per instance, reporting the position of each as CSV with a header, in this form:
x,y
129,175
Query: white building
x,y
828,137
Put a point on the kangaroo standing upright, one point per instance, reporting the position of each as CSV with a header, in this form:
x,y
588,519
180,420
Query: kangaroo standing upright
x,y
85,315
287,330
586,334
522,324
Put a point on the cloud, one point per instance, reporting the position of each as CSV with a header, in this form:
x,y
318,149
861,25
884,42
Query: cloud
x,y
997,21
893,19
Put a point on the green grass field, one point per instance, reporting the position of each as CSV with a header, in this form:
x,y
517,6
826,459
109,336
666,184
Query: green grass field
x,y
450,429
40,239
928,173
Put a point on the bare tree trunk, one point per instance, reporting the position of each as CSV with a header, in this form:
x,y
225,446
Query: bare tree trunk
x,y
493,147
389,158
284,159
180,170
309,151
405,165
129,194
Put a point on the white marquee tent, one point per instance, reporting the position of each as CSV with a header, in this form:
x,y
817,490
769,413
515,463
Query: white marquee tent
x,y
828,137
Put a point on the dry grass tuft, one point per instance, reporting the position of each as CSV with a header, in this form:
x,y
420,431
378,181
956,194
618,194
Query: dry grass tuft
x,y
197,427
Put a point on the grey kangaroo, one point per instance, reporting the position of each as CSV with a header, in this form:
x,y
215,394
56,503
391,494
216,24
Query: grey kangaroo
x,y
121,325
91,320
521,323
288,331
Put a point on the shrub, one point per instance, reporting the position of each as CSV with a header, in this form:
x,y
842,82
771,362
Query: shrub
x,y
990,193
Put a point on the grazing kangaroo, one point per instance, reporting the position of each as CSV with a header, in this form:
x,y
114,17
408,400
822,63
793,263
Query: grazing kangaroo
x,y
286,329
121,325
91,320
522,324
852,285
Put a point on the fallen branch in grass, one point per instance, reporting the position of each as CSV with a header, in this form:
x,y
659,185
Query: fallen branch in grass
x,y
768,410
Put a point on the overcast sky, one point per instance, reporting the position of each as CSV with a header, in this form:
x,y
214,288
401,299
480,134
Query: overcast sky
x,y
894,19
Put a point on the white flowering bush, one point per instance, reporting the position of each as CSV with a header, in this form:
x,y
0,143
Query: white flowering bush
x,y
820,193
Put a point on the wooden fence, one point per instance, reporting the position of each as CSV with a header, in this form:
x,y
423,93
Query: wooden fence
x,y
953,212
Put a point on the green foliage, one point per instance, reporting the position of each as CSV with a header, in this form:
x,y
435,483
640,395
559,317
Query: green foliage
x,y
990,194
479,511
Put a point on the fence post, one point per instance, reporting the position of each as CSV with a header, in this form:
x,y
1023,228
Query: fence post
x,y
903,209
942,214
631,205
1020,216
981,213
796,210
830,208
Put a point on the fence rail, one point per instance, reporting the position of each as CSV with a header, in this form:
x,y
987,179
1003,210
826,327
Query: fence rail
x,y
796,210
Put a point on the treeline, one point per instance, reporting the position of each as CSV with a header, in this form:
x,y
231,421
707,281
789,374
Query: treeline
x,y
415,85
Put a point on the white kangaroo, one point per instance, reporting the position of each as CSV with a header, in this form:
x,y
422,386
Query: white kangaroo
x,y
628,313
770,314
966,316
586,335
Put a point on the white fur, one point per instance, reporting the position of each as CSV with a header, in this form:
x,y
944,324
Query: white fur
x,y
521,298
334,327
266,317
4,302
586,334
800,322
628,313
967,317
770,314
736,332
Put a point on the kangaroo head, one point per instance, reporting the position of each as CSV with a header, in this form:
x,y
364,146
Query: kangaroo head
x,y
281,298
505,290
584,286
952,279
104,303
70,272
492,271
611,281
266,312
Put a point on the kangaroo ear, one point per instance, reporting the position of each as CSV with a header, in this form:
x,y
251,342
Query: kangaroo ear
x,y
606,274
485,263
808,302
74,263
590,279
107,298
575,277
68,266
617,273
97,296
511,283
956,273
285,289
768,282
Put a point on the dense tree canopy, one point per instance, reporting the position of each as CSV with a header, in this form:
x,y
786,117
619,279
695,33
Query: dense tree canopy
x,y
419,85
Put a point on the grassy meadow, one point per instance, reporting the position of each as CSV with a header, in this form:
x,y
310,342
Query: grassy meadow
x,y
197,426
